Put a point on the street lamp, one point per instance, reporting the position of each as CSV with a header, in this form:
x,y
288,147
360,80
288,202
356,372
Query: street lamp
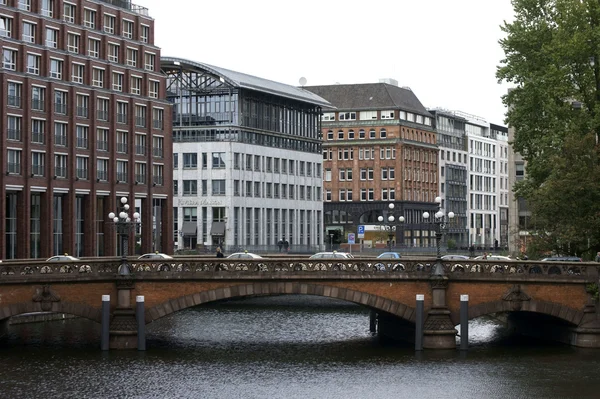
x,y
124,224
388,225
331,241
441,221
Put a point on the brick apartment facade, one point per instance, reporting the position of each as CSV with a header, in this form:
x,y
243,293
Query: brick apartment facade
x,y
379,147
84,123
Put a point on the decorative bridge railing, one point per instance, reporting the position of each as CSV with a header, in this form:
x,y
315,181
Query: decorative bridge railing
x,y
107,268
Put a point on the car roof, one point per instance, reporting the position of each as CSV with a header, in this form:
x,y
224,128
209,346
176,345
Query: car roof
x,y
333,254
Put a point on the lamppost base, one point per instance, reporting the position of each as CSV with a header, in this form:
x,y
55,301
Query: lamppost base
x,y
438,331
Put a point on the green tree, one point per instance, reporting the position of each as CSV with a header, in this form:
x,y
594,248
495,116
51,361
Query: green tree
x,y
552,57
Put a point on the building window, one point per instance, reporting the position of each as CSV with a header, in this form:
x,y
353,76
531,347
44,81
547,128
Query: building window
x,y
190,187
350,134
94,48
113,52
102,106
33,64
13,125
158,118
72,43
97,77
14,94
38,127
51,38
28,34
136,85
140,173
38,162
56,68
102,139
102,169
145,34
82,104
218,160
127,29
38,94
368,115
149,61
132,55
140,144
89,18
122,138
387,114
122,112
82,136
117,81
383,133
25,5
122,171
9,59
140,115
60,134
14,161
347,116
190,160
60,102
69,11
153,88
218,187
60,165
109,23
82,169
77,71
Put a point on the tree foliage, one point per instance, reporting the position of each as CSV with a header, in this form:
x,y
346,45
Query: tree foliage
x,y
552,56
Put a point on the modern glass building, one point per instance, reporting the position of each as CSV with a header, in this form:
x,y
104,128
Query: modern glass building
x,y
246,158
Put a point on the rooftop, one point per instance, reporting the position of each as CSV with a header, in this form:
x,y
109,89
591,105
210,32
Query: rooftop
x,y
127,5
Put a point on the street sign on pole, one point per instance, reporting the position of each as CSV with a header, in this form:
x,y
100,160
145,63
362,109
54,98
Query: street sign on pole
x,y
351,238
361,231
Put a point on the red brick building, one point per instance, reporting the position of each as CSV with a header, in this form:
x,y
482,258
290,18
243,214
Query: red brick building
x,y
379,147
84,123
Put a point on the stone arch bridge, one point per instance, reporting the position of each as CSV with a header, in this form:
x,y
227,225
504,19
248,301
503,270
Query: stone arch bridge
x,y
551,300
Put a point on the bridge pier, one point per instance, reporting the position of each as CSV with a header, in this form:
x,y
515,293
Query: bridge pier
x,y
438,330
123,326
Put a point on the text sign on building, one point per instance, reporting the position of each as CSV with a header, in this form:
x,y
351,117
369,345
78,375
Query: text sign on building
x,y
361,231
351,239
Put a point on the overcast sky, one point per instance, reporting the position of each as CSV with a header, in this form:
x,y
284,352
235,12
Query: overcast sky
x,y
446,51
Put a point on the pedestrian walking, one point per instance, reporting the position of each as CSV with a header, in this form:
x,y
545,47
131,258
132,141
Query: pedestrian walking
x,y
220,253
598,256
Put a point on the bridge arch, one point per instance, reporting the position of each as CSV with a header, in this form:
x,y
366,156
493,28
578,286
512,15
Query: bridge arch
x,y
75,309
556,310
267,289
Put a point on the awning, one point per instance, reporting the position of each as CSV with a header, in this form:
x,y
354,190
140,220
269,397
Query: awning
x,y
188,229
218,229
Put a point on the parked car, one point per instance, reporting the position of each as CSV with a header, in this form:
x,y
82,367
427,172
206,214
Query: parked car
x,y
334,254
389,255
155,255
562,259
244,255
61,258
455,257
493,257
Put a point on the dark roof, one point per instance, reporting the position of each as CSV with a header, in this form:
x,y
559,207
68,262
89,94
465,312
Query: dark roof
x,y
370,96
242,80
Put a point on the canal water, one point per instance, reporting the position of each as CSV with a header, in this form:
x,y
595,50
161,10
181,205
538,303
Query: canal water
x,y
284,347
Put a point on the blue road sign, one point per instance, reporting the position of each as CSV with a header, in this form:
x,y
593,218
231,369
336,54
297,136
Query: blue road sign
x,y
361,231
351,238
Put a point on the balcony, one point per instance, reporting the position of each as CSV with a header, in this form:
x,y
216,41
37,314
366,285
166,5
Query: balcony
x,y
127,5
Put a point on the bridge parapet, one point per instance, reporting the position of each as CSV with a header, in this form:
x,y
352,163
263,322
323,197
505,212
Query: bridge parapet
x,y
202,267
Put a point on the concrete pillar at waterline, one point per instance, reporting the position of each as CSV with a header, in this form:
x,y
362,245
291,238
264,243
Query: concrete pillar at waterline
x,y
373,321
438,330
464,322
123,326
141,322
419,322
105,320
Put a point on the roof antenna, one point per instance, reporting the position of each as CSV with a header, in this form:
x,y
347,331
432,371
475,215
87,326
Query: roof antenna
x,y
302,81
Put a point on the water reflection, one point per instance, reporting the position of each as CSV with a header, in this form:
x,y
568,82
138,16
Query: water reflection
x,y
284,347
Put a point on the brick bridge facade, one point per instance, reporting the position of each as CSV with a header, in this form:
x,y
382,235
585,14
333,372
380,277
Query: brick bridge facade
x,y
565,295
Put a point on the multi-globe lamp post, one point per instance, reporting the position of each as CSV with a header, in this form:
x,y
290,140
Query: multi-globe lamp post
x,y
441,221
389,224
124,224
